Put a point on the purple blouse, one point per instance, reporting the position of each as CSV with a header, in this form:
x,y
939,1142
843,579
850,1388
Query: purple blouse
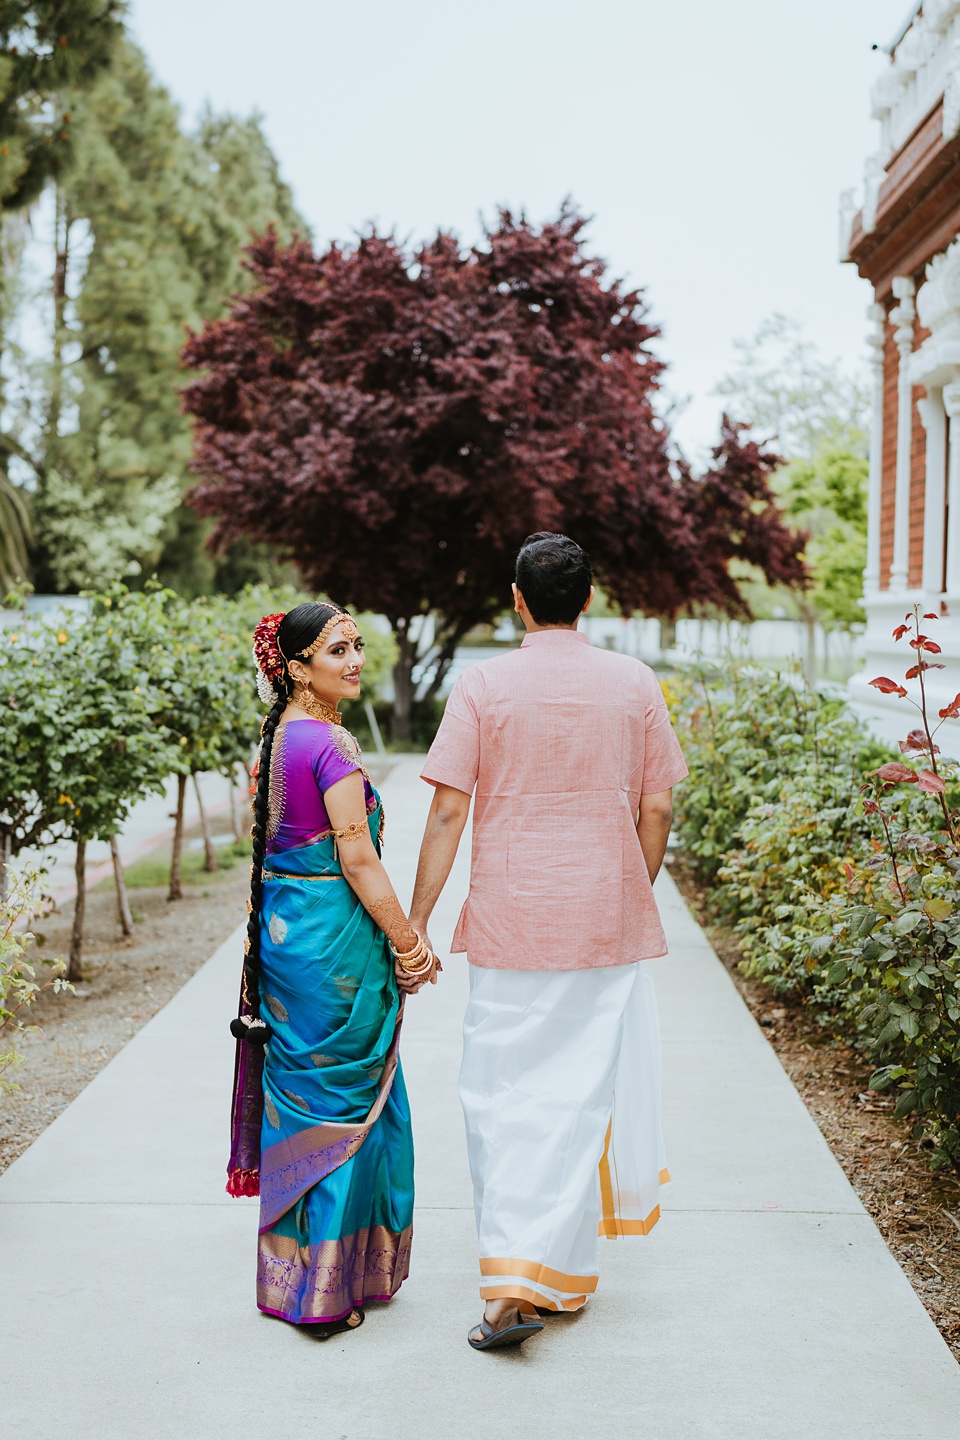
x,y
308,757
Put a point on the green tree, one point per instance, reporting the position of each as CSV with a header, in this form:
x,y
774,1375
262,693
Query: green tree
x,y
827,496
33,805
112,746
782,386
15,532
816,412
19,987
47,48
151,222
248,195
211,712
80,737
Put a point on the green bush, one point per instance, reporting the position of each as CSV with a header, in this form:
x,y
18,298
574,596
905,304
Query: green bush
x,y
19,986
100,707
837,868
745,732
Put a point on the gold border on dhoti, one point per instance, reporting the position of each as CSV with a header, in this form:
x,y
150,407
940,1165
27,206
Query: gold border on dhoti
x,y
540,1275
612,1225
533,1297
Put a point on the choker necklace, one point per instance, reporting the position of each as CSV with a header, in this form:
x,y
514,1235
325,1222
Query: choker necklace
x,y
317,709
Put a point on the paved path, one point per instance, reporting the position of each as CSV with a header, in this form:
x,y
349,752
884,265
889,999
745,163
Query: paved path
x,y
765,1306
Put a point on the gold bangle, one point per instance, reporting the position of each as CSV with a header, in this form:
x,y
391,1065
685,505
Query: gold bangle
x,y
409,954
423,969
413,961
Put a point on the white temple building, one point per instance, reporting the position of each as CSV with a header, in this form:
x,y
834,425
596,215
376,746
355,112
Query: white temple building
x,y
905,239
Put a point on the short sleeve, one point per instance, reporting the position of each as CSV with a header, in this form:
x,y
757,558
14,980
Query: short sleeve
x,y
336,755
454,756
663,762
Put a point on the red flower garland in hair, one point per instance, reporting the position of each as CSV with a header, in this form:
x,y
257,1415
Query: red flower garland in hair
x,y
266,650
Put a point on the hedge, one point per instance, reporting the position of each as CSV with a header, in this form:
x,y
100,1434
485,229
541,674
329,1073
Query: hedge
x,y
837,865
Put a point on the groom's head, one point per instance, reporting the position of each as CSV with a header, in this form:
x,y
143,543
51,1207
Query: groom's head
x,y
554,579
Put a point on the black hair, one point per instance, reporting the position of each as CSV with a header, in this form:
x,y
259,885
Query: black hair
x,y
554,577
298,630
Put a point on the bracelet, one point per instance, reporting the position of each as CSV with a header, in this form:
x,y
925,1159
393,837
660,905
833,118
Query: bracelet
x,y
422,969
418,962
413,954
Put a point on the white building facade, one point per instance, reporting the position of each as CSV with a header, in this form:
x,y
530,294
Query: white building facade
x,y
905,239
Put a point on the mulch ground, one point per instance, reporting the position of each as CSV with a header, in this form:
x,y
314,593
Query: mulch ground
x,y
126,983
916,1209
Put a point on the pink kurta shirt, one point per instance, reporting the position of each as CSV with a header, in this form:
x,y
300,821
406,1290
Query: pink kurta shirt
x,y
560,740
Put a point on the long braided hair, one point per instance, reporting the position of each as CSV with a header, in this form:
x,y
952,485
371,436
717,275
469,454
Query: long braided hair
x,y
295,634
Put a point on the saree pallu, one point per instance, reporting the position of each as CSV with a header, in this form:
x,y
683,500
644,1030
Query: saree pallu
x,y
560,1087
336,1154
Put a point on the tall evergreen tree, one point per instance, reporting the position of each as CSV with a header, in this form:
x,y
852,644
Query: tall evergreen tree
x,y
249,196
47,47
159,219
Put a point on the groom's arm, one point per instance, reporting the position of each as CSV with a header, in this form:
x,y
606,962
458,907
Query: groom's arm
x,y
653,828
448,815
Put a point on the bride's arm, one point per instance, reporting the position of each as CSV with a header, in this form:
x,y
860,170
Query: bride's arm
x,y
364,872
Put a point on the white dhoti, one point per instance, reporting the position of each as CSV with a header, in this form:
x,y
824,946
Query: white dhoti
x,y
560,1087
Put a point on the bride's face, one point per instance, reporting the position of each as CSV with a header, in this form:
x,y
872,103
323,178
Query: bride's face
x,y
334,672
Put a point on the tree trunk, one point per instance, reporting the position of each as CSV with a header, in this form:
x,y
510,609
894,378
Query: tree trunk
x,y
123,903
371,715
62,225
446,653
209,852
403,685
74,973
234,815
4,863
176,890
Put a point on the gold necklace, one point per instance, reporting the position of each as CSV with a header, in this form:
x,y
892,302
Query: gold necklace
x,y
316,708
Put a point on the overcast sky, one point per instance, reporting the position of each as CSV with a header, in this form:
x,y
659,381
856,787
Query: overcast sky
x,y
709,138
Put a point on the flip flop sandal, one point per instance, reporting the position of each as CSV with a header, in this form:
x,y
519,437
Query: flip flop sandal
x,y
338,1327
497,1339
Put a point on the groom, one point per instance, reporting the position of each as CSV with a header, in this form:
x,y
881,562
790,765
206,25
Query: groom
x,y
572,757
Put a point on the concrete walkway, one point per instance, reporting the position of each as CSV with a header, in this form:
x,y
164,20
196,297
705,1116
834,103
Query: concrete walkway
x,y
765,1306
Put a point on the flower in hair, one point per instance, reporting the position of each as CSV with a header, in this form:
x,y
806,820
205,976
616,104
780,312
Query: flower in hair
x,y
267,656
265,688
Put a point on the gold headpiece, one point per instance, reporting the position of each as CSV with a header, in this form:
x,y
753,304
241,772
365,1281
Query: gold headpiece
x,y
350,632
340,618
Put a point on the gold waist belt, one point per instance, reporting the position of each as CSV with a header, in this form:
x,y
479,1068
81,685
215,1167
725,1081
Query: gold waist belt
x,y
281,875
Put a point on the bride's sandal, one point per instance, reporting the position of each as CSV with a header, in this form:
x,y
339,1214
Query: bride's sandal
x,y
353,1321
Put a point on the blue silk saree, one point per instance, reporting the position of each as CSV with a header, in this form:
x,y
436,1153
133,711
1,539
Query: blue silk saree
x,y
335,1143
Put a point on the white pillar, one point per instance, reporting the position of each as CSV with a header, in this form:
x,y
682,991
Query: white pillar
x,y
903,316
951,401
934,420
875,339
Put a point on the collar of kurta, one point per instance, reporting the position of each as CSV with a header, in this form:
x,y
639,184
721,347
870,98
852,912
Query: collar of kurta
x,y
553,637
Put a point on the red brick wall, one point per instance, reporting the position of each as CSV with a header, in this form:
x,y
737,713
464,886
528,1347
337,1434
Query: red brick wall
x,y
918,473
918,479
889,483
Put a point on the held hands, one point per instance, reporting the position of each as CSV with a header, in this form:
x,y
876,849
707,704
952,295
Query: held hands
x,y
415,967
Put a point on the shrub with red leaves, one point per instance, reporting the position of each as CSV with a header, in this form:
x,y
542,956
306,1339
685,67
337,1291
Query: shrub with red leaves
x,y
397,424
